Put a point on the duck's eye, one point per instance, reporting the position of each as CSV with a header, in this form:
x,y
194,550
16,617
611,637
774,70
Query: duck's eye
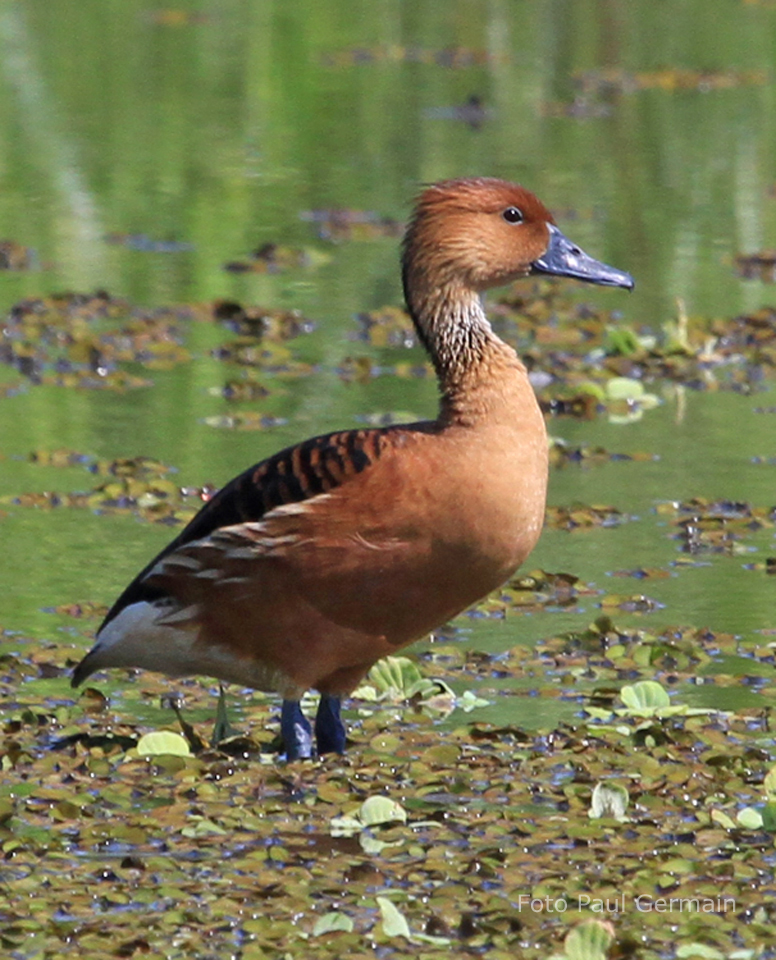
x,y
513,215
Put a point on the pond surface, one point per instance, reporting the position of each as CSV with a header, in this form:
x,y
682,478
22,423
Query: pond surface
x,y
142,149
200,213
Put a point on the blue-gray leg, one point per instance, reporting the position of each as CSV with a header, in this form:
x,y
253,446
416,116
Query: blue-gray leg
x,y
295,731
329,728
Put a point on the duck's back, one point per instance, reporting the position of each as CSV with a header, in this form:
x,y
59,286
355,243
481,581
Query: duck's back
x,y
292,475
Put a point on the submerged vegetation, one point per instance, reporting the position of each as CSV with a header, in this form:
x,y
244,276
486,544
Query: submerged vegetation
x,y
492,838
582,765
487,839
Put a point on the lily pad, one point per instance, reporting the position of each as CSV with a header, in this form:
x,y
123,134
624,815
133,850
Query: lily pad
x,y
332,922
609,800
394,922
645,698
589,941
163,743
376,811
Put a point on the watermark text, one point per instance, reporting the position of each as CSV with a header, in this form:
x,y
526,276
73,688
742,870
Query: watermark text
x,y
621,904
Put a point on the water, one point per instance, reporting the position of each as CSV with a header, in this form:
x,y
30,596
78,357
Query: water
x,y
219,127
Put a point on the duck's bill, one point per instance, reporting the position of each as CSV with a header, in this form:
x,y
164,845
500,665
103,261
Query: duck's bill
x,y
565,259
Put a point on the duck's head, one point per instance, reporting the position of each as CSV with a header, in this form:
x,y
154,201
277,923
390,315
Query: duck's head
x,y
481,232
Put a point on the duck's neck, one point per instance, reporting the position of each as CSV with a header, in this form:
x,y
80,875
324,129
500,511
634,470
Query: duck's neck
x,y
479,375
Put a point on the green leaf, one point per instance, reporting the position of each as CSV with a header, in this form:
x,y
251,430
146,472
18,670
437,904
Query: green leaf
x,y
749,818
589,941
594,389
609,800
469,701
375,811
372,845
770,782
622,340
6,809
163,743
598,713
394,923
428,938
769,817
345,826
645,698
333,922
624,388
397,679
203,827
628,400
699,950
722,819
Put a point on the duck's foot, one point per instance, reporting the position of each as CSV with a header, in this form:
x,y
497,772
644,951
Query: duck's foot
x,y
295,731
329,728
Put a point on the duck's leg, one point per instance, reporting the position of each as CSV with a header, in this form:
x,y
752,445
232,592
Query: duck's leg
x,y
329,728
296,731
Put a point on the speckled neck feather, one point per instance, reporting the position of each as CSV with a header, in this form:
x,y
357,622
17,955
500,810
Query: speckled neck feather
x,y
450,321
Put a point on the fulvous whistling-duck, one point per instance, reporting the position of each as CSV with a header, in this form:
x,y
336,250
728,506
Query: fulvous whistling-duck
x,y
313,564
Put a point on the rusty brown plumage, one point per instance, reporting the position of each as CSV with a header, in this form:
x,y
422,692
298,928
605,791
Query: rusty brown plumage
x,y
314,563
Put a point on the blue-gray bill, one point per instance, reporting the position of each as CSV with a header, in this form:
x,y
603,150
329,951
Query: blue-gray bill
x,y
565,259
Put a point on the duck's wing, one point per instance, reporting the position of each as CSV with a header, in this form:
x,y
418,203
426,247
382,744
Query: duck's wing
x,y
316,589
298,473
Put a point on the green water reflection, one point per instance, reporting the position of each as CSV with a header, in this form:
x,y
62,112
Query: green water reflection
x,y
218,125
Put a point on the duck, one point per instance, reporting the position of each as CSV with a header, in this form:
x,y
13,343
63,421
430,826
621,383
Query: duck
x,y
316,562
